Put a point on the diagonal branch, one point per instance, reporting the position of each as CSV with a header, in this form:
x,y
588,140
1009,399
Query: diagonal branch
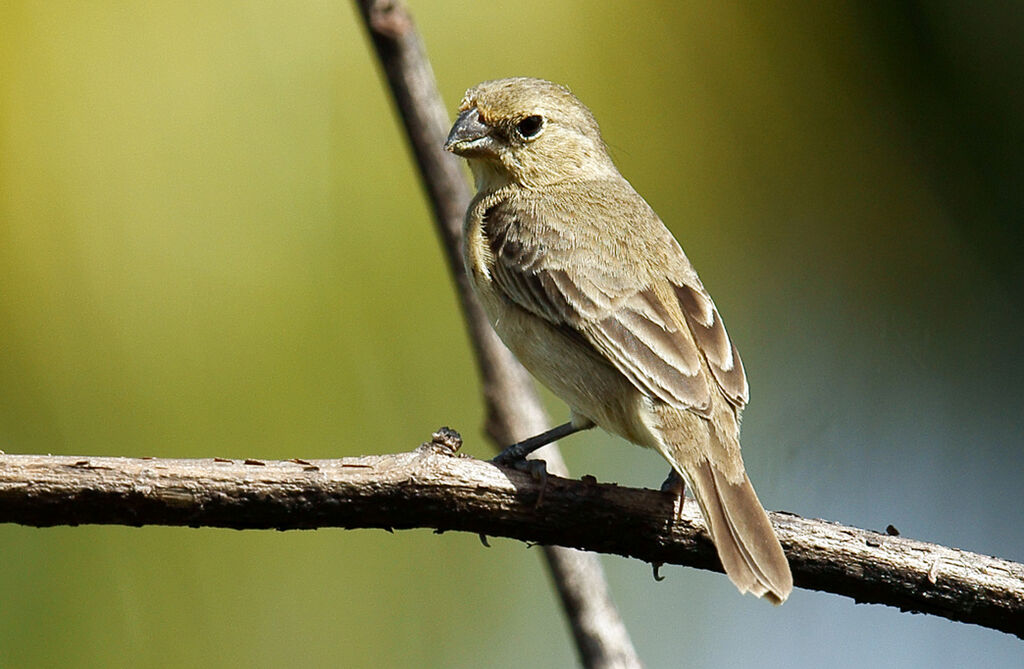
x,y
514,411
431,488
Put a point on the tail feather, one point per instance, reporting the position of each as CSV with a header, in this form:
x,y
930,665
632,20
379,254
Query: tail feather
x,y
747,546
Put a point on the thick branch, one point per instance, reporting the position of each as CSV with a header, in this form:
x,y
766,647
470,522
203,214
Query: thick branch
x,y
431,488
514,411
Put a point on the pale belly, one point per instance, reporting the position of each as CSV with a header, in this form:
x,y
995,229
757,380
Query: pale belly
x,y
592,388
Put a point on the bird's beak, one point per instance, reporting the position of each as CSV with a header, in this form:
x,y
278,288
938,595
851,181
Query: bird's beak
x,y
470,136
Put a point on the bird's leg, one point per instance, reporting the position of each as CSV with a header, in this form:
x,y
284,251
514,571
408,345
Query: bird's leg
x,y
520,450
675,485
515,455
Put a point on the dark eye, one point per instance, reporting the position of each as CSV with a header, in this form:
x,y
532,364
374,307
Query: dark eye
x,y
530,126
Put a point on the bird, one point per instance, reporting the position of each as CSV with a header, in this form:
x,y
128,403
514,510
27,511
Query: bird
x,y
591,292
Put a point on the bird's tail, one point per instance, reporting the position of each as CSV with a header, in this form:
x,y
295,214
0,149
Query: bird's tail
x,y
746,542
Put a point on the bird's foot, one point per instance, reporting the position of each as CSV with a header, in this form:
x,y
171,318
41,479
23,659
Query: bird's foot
x,y
536,468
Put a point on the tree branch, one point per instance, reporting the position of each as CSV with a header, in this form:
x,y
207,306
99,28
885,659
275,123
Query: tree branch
x,y
432,489
514,411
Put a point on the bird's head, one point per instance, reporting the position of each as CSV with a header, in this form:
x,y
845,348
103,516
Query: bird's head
x,y
530,132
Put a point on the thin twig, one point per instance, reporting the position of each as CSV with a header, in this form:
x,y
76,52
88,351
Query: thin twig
x,y
431,488
514,411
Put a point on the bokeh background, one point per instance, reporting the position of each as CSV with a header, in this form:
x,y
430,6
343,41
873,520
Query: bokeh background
x,y
212,243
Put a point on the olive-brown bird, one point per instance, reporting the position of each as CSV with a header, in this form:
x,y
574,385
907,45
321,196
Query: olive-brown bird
x,y
588,288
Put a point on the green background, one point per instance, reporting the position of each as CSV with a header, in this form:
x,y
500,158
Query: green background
x,y
213,243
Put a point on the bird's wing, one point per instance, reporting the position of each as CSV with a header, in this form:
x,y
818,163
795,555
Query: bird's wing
x,y
714,342
656,330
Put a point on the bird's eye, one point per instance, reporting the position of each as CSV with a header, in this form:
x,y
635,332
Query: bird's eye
x,y
530,126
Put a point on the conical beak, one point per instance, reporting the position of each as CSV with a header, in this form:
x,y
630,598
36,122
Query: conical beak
x,y
470,136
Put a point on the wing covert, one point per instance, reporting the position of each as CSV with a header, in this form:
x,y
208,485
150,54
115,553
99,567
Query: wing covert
x,y
639,329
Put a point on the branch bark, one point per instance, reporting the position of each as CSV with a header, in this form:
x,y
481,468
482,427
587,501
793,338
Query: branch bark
x,y
432,488
514,411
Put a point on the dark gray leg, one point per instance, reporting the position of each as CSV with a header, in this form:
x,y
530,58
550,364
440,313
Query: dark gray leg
x,y
675,485
520,450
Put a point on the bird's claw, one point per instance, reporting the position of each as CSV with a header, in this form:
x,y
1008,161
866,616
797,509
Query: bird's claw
x,y
535,467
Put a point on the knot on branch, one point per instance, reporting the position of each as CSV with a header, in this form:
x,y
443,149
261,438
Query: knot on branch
x,y
445,441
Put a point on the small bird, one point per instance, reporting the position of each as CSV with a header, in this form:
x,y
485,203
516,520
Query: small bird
x,y
595,297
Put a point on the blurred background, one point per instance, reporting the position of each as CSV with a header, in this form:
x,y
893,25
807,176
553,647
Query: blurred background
x,y
213,243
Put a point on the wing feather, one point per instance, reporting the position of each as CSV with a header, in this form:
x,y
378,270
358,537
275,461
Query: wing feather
x,y
656,332
710,335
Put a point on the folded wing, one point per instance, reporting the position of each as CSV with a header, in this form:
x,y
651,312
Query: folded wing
x,y
655,330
